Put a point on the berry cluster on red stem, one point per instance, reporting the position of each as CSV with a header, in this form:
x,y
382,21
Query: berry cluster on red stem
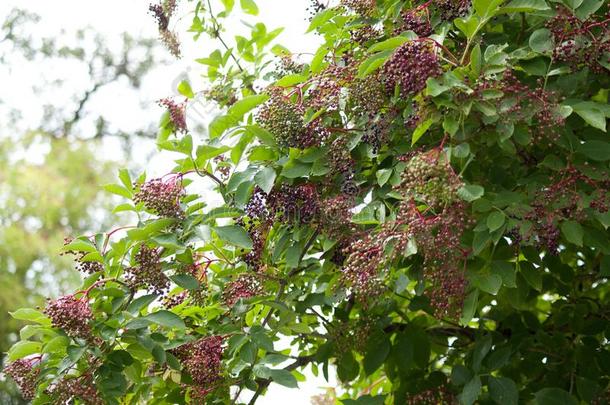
x,y
410,66
72,315
25,373
69,389
246,285
85,266
162,196
148,271
580,43
202,359
177,114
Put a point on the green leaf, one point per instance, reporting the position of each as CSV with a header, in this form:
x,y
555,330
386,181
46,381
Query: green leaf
x,y
321,18
487,8
471,391
421,130
470,306
596,150
220,124
488,282
383,175
184,88
23,349
207,152
524,6
249,6
377,350
541,40
167,319
470,192
283,377
468,26
234,235
373,63
32,315
573,232
503,391
389,44
593,113
186,281
265,179
241,107
365,400
291,80
136,305
495,220
554,396
118,190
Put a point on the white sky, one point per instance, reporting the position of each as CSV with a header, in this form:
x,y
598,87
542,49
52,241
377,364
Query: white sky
x,y
125,108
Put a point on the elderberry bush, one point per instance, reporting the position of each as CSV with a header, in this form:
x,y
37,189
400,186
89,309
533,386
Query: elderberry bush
x,y
420,204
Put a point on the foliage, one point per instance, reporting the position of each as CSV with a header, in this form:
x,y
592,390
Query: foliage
x,y
437,241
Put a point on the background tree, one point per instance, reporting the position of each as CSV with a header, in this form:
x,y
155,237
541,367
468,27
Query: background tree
x,y
421,204
50,172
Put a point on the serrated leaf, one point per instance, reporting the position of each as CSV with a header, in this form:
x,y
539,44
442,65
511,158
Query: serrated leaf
x,y
185,89
420,130
573,232
503,391
185,281
249,6
554,396
22,349
470,192
495,220
265,179
234,235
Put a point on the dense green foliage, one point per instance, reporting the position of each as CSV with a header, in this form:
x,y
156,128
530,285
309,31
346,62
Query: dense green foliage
x,y
422,205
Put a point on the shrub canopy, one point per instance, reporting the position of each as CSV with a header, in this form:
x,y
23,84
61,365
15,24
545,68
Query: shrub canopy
x,y
421,203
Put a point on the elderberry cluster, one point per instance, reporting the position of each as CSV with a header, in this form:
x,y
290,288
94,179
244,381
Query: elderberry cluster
x,y
82,265
361,269
161,196
410,66
284,120
430,178
70,389
202,359
335,216
294,204
25,373
365,8
162,13
148,271
367,96
177,114
451,9
72,315
564,199
416,20
580,43
243,287
439,395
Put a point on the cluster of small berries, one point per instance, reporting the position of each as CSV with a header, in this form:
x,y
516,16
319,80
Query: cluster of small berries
x,y
287,66
538,103
449,10
72,315
162,13
84,266
580,43
361,271
202,359
378,132
326,87
335,216
340,159
223,168
245,286
70,389
315,7
148,271
564,199
430,178
284,120
410,66
161,196
365,8
294,204
367,96
351,335
416,20
439,395
223,94
364,34
25,373
177,113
